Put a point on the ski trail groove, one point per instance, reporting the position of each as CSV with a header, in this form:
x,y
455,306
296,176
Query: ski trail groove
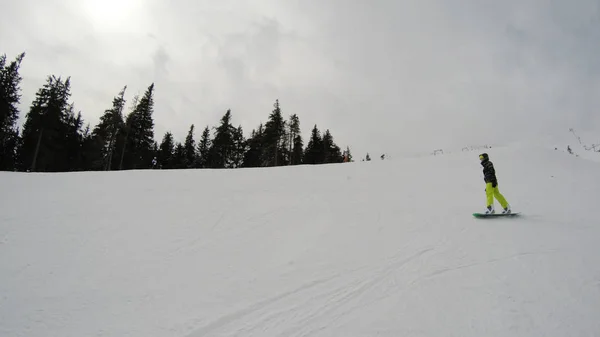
x,y
327,302
365,286
224,320
300,310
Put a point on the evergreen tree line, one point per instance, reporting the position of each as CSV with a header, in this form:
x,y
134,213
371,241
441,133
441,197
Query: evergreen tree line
x,y
54,139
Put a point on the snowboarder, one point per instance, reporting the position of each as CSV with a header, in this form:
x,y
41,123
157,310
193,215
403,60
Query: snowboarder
x,y
491,186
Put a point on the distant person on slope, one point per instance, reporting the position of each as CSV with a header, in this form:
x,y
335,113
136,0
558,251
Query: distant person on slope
x,y
491,186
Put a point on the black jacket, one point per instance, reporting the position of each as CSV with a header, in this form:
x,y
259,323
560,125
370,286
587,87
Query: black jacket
x,y
489,174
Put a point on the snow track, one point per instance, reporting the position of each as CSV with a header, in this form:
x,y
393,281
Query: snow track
x,y
313,306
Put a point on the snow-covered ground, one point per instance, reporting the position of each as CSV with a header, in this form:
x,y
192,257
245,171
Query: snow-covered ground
x,y
380,248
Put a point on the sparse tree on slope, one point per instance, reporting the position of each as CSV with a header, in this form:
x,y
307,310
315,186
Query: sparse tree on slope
x,y
348,155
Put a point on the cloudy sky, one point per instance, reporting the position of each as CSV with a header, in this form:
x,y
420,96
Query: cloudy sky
x,y
382,75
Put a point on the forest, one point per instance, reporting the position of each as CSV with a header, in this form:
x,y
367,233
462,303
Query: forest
x,y
55,138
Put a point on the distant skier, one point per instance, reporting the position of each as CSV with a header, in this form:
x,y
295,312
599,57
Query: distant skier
x,y
491,186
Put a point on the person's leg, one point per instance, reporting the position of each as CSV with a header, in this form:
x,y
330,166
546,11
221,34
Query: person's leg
x,y
500,197
489,192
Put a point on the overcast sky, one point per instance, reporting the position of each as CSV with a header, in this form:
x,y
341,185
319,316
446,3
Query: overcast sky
x,y
382,75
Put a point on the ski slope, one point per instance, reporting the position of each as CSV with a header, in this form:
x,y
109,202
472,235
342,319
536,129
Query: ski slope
x,y
381,248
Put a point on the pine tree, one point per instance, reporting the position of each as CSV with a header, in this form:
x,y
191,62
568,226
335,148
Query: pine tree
x,y
222,146
88,150
274,154
10,149
10,97
314,149
43,144
239,147
73,141
140,138
190,149
348,154
179,160
104,135
293,133
297,151
123,136
128,143
166,151
154,154
254,148
284,146
331,152
204,146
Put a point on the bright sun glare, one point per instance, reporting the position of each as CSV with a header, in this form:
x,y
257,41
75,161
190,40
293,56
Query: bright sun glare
x,y
108,14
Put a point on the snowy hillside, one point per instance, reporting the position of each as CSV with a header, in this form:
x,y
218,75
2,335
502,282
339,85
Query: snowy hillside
x,y
381,248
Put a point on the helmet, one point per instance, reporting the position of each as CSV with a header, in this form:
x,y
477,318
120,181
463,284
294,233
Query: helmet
x,y
483,156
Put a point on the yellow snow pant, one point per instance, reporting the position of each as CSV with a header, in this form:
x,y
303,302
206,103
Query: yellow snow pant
x,y
492,192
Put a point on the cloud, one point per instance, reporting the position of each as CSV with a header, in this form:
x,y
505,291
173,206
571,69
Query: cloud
x,y
383,76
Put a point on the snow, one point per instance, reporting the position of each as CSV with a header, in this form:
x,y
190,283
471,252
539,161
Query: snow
x,y
380,248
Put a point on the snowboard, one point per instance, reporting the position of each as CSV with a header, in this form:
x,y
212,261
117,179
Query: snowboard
x,y
495,215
